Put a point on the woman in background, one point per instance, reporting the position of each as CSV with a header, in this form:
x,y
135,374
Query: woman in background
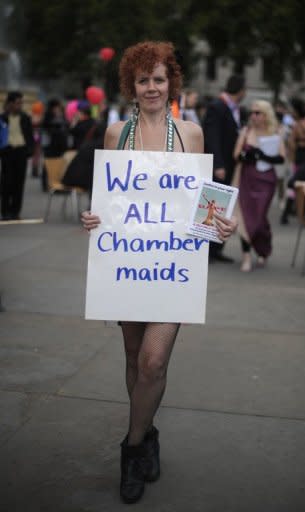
x,y
296,153
257,181
55,132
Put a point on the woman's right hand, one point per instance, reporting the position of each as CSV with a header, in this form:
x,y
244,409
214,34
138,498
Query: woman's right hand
x,y
249,155
90,221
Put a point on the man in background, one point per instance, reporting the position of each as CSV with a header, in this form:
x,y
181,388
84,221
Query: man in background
x,y
14,155
221,126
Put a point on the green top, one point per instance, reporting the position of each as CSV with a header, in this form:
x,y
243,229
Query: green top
x,y
129,129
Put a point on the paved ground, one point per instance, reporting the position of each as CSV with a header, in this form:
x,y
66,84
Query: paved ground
x,y
233,417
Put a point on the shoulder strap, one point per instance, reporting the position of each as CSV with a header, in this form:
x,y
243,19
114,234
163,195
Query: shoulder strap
x,y
179,137
124,135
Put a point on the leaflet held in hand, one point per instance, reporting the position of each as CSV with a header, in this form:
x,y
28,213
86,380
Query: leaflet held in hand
x,y
270,145
212,198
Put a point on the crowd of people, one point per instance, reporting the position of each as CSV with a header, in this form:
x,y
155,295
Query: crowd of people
x,y
232,133
47,132
252,149
259,149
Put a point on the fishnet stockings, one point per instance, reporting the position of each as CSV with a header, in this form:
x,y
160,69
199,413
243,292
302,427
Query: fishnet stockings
x,y
133,333
148,348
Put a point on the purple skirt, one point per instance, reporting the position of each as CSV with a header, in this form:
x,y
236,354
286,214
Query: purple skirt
x,y
256,191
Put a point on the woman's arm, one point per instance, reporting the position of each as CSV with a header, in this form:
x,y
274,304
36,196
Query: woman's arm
x,y
196,140
192,136
240,142
282,151
291,144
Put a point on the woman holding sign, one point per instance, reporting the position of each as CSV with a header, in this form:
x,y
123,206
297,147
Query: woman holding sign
x,y
151,76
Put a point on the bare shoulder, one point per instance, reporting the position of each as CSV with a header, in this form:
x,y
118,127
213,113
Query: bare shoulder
x,y
112,134
188,127
191,134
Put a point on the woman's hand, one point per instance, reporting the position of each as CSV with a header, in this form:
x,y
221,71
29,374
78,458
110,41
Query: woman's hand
x,y
250,155
90,221
225,227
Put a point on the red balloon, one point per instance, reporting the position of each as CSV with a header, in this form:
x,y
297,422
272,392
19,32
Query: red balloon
x,y
106,54
95,95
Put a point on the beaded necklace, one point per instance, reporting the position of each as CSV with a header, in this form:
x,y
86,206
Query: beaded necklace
x,y
169,132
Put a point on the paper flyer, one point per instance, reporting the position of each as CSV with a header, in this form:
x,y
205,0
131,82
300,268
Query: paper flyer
x,y
212,198
270,145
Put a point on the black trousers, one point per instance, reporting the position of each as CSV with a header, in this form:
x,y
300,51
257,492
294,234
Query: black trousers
x,y
13,172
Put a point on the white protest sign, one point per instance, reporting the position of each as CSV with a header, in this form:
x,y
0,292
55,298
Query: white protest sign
x,y
142,266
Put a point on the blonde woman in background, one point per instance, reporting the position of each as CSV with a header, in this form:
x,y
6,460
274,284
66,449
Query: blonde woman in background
x,y
257,180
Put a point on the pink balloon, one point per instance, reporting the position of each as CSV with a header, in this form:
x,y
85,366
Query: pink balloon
x,y
71,109
95,95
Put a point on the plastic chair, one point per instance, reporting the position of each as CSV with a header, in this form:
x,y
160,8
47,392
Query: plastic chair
x,y
69,155
300,206
55,168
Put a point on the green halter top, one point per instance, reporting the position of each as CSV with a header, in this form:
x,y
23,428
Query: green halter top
x,y
129,130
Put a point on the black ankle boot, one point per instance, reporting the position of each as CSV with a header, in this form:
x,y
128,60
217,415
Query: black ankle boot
x,y
152,455
132,472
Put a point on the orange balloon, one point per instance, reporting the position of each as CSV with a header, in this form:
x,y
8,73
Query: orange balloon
x,y
37,108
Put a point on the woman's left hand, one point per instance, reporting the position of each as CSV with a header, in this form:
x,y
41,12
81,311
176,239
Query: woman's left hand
x,y
225,227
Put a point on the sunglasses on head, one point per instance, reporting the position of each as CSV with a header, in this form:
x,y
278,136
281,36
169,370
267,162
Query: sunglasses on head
x,y
255,112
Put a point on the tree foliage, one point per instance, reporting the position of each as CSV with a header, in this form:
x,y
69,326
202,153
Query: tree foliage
x,y
61,37
246,30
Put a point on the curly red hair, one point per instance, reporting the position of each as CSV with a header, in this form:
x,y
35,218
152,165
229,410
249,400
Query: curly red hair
x,y
145,56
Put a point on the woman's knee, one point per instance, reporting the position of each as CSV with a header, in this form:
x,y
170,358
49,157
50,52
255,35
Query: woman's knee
x,y
151,368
